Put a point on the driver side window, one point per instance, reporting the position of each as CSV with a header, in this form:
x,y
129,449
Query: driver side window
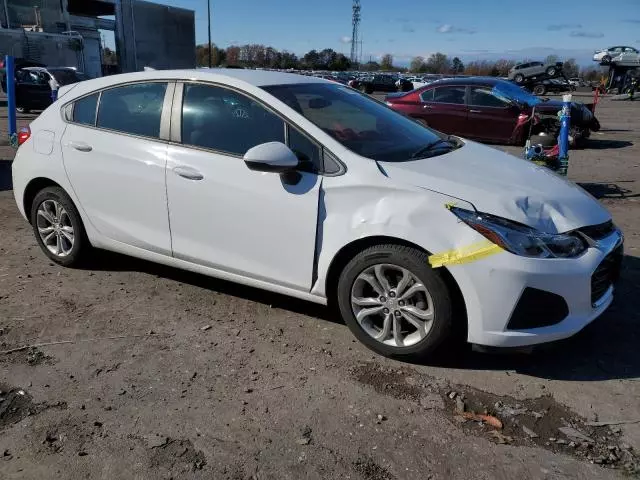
x,y
483,97
220,119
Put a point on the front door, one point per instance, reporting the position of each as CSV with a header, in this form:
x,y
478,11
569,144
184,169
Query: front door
x,y
490,117
224,215
116,160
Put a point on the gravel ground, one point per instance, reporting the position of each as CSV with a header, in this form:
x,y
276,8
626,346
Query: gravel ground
x,y
160,373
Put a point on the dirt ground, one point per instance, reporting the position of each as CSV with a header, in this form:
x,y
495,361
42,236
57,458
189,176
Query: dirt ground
x,y
160,373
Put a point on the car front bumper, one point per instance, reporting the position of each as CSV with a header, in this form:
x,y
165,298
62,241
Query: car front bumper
x,y
552,298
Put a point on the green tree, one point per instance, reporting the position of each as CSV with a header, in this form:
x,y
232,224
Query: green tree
x,y
386,63
456,65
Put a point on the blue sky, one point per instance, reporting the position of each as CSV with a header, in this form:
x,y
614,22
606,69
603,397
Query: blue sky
x,y
472,29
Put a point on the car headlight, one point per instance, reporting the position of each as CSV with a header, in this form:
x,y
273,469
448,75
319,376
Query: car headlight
x,y
520,239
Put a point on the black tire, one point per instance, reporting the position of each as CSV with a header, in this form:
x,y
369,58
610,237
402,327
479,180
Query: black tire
x,y
368,89
551,71
606,59
80,242
363,88
519,78
539,90
418,264
544,140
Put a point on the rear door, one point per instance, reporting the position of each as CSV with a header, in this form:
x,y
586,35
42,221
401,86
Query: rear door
x,y
115,153
490,117
446,110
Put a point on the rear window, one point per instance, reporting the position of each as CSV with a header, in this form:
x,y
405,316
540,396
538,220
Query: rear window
x,y
67,77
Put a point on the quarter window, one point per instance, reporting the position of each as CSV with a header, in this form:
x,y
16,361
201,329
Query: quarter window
x,y
134,109
449,95
307,152
222,119
84,110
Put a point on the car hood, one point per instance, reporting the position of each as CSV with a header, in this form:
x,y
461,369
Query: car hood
x,y
504,185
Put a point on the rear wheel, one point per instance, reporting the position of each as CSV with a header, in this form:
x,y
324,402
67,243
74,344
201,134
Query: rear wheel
x,y
519,78
394,302
551,71
58,227
539,90
606,59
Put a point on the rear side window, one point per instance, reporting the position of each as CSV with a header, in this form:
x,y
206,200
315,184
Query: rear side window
x,y
84,110
134,109
225,120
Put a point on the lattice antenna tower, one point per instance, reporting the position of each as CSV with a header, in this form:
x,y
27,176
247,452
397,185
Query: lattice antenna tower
x,y
355,34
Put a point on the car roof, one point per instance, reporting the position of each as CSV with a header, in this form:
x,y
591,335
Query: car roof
x,y
467,81
258,78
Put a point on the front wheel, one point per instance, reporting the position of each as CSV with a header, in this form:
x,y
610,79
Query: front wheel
x,y
519,78
58,227
539,90
551,71
394,302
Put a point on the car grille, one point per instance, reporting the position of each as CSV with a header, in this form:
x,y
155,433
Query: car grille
x,y
606,274
598,232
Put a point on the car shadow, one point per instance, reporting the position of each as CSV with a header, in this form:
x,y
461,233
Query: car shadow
x,y
607,349
6,183
102,260
609,190
604,144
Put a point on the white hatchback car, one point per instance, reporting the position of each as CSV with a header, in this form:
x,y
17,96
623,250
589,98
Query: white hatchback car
x,y
308,188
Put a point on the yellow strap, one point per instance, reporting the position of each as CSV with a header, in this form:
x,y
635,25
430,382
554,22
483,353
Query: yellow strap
x,y
464,255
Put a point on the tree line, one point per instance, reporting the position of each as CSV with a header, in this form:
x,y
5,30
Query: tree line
x,y
262,56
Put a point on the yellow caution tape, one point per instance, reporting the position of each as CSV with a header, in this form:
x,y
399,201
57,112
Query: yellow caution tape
x,y
449,205
464,255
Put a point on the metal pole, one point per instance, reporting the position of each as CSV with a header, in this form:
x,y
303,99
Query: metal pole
x,y
563,139
209,28
11,99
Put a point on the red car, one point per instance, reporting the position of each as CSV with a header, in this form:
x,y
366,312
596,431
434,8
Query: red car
x,y
490,110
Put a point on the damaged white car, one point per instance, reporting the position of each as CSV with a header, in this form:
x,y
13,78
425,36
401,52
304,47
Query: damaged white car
x,y
308,188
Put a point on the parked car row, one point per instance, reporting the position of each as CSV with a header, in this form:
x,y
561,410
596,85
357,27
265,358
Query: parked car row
x,y
33,84
616,54
489,110
305,187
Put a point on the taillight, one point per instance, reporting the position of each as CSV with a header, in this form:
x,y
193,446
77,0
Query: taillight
x,y
23,135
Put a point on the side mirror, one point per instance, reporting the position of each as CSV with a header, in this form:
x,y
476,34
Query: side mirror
x,y
271,157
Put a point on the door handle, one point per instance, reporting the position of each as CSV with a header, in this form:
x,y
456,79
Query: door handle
x,y
188,172
427,106
475,111
81,146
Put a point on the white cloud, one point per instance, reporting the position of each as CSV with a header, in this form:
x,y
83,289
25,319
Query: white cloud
x,y
345,39
448,28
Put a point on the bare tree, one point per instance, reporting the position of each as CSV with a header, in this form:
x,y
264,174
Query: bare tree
x,y
386,63
417,64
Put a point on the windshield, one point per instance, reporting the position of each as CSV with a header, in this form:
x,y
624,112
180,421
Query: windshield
x,y
363,125
510,91
67,76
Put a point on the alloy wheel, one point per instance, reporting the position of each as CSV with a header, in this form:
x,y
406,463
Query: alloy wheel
x,y
55,228
392,305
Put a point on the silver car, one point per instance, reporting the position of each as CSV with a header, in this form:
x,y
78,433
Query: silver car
x,y
519,72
